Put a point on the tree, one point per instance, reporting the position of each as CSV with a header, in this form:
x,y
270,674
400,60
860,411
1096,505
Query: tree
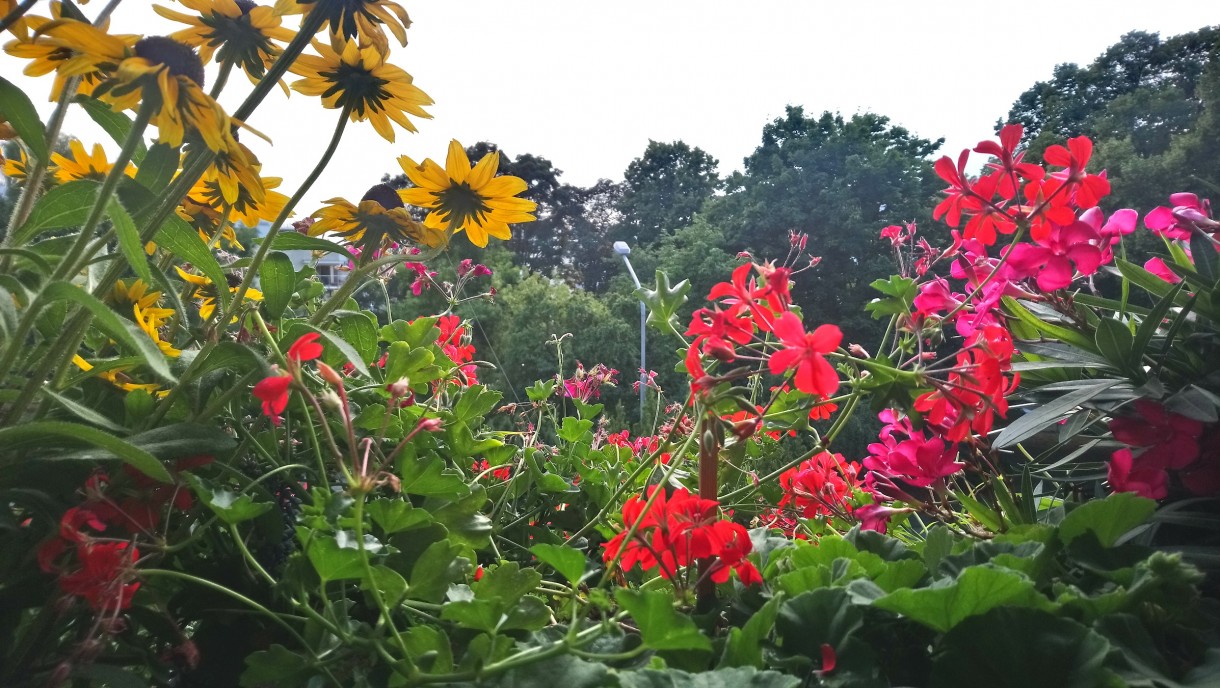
x,y
663,189
1075,100
839,180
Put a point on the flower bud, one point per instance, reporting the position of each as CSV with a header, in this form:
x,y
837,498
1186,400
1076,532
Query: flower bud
x,y
858,351
399,388
430,425
331,400
330,374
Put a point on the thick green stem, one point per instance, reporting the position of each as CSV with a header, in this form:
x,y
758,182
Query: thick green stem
x,y
75,259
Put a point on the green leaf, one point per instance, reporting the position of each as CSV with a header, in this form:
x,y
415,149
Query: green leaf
x,y
332,559
976,591
348,351
361,332
1042,417
229,506
744,645
396,515
568,562
83,412
476,401
1018,648
901,292
541,391
172,442
158,168
431,477
1151,323
121,329
277,279
293,241
575,430
1107,518
1114,342
664,301
661,626
742,677
1204,254
390,583
129,240
435,569
981,512
16,107
232,356
1061,333
179,238
61,207
39,432
418,333
814,618
116,124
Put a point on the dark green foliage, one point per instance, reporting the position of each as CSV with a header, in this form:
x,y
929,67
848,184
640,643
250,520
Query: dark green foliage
x,y
839,180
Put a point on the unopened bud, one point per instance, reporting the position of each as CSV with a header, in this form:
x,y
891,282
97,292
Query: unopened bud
x,y
719,350
745,429
430,425
858,351
332,400
329,374
399,388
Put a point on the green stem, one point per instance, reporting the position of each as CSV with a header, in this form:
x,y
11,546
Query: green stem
x,y
374,589
221,79
265,246
72,262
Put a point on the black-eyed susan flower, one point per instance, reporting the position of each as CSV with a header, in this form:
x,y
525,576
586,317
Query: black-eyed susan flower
x,y
150,324
461,198
163,74
356,18
206,292
358,78
237,32
82,164
380,221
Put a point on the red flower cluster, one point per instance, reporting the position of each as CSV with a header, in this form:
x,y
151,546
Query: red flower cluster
x,y
501,473
454,342
919,460
976,389
820,486
677,530
104,567
645,443
273,391
1170,441
586,385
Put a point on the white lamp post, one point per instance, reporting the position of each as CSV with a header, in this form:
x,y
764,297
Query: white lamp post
x,y
621,248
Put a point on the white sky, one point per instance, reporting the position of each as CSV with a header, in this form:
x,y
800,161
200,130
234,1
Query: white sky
x,y
587,84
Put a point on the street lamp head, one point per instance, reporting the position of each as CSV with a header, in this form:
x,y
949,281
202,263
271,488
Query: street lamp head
x,y
621,248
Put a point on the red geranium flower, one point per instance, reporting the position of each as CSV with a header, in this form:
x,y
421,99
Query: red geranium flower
x,y
273,391
803,351
306,348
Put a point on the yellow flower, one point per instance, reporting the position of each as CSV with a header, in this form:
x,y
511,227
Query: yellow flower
x,y
380,221
142,302
118,378
358,78
151,324
15,168
159,70
81,50
464,199
352,18
83,165
235,180
236,31
206,291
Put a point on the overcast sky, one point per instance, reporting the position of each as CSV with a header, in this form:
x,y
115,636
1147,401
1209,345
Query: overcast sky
x,y
588,84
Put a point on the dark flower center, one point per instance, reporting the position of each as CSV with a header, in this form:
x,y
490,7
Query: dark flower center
x,y
385,196
245,5
180,59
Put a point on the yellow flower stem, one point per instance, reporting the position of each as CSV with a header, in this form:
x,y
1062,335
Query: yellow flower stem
x,y
12,17
265,247
76,258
